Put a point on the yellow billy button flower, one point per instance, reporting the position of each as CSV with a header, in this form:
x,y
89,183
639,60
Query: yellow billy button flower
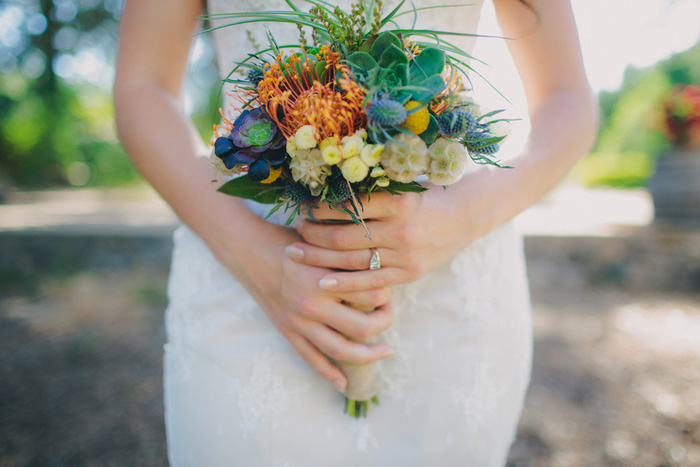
x,y
371,154
330,140
352,145
418,117
305,137
354,170
331,153
274,175
292,147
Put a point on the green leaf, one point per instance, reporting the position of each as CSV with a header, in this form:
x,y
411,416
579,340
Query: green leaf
x,y
401,70
490,114
426,90
396,188
244,187
391,56
362,61
274,209
367,45
429,62
431,132
383,41
321,69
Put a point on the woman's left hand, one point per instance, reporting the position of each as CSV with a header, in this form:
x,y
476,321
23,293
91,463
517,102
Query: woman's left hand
x,y
413,234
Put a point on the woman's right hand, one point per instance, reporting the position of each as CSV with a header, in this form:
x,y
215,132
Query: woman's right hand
x,y
318,323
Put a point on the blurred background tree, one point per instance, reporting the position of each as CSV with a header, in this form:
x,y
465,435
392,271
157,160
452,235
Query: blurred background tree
x,y
56,114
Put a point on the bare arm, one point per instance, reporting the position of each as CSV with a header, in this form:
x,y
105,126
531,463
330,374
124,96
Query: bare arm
x,y
164,146
417,233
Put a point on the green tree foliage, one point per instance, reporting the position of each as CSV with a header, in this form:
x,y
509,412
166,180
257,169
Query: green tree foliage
x,y
56,113
630,136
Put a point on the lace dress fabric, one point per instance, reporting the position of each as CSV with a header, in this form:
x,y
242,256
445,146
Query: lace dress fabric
x,y
236,393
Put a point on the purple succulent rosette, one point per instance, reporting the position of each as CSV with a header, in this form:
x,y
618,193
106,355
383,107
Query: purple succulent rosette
x,y
255,141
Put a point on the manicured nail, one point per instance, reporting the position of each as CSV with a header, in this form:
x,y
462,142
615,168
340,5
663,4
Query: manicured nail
x,y
294,252
388,353
327,283
339,386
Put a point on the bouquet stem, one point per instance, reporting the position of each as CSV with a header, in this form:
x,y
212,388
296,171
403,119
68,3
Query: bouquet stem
x,y
362,383
359,408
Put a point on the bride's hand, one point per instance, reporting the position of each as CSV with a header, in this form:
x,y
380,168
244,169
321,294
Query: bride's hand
x,y
413,234
314,321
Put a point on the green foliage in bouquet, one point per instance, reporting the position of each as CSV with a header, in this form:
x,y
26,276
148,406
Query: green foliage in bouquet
x,y
391,81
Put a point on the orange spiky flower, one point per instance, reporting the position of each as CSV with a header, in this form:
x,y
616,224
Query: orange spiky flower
x,y
295,95
454,87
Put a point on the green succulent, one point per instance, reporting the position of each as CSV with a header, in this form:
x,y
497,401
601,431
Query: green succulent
x,y
383,68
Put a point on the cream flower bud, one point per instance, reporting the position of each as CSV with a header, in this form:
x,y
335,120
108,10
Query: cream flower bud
x,y
354,170
305,137
362,133
377,172
437,149
292,147
447,161
352,146
331,154
371,154
383,182
405,158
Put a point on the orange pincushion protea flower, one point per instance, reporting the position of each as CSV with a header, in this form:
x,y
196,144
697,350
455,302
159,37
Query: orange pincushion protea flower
x,y
302,99
454,87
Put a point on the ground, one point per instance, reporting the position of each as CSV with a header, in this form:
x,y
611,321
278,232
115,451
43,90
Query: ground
x,y
616,377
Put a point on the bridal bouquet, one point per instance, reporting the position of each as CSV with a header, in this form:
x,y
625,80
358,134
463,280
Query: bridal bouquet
x,y
359,106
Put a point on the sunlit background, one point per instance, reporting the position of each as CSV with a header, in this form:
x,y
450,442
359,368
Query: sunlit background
x,y
84,249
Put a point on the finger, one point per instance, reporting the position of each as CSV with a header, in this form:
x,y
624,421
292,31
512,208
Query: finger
x,y
356,281
341,349
335,236
345,237
317,360
376,206
349,320
349,260
367,299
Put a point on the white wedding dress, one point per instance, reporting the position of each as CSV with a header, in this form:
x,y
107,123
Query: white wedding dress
x,y
237,394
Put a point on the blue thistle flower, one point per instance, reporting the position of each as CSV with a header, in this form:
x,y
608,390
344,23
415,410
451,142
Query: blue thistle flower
x,y
255,76
454,123
480,143
296,193
469,119
385,113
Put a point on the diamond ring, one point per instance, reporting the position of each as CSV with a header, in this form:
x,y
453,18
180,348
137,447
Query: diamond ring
x,y
374,260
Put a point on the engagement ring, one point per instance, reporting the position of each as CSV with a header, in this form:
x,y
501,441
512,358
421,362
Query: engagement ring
x,y
374,261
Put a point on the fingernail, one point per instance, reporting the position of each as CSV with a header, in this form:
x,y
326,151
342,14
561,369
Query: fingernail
x,y
294,252
339,386
388,353
327,283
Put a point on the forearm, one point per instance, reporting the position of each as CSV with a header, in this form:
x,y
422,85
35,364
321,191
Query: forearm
x,y
563,129
167,150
